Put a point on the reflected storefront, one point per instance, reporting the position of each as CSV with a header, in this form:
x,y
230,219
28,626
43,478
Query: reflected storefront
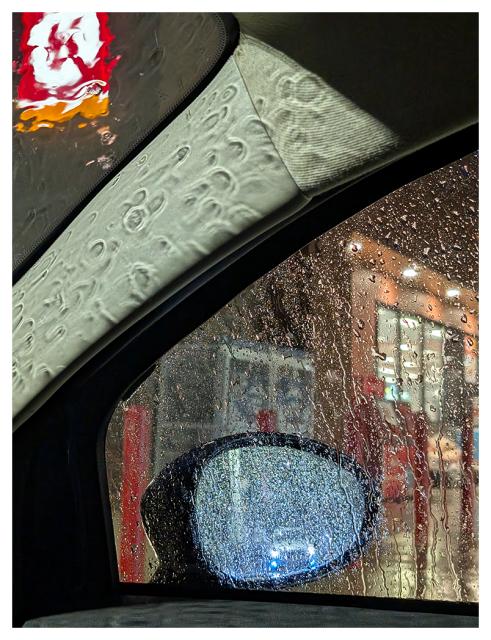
x,y
366,341
405,311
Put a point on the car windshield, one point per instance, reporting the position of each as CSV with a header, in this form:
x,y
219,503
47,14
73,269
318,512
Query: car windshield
x,y
80,110
367,341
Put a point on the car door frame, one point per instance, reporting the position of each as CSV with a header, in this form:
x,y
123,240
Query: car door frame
x,y
64,550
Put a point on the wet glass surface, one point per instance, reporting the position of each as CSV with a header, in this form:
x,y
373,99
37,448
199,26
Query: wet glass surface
x,y
366,340
156,59
268,513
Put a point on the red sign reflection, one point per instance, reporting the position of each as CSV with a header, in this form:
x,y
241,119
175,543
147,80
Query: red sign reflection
x,y
65,70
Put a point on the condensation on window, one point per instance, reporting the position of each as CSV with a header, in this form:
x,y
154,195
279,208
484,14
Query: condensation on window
x,y
366,340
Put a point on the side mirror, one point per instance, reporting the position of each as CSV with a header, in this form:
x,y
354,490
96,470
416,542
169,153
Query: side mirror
x,y
267,510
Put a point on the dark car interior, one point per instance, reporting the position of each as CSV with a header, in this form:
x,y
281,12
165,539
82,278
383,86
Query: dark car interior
x,y
410,84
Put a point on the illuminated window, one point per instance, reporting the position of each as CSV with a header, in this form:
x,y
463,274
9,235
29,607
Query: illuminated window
x,y
336,345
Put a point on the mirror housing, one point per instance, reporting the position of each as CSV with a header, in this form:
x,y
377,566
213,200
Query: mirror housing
x,y
259,511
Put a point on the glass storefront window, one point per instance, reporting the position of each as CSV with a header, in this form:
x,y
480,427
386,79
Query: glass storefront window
x,y
365,341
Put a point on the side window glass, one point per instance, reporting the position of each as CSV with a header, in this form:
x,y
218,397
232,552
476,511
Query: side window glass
x,y
366,342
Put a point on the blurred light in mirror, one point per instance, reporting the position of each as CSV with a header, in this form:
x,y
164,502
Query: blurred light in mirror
x,y
272,513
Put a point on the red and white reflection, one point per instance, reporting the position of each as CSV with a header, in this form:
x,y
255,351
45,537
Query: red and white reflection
x,y
64,69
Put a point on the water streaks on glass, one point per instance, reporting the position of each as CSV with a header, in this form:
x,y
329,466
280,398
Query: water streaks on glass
x,y
366,340
271,513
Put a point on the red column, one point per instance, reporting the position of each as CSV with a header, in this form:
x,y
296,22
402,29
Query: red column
x,y
266,421
375,433
467,510
353,437
417,427
363,435
421,480
136,458
466,541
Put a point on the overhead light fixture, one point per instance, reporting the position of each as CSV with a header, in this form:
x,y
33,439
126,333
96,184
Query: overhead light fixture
x,y
409,273
452,293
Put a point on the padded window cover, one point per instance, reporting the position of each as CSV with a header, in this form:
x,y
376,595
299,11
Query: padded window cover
x,y
162,58
190,198
416,73
324,138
